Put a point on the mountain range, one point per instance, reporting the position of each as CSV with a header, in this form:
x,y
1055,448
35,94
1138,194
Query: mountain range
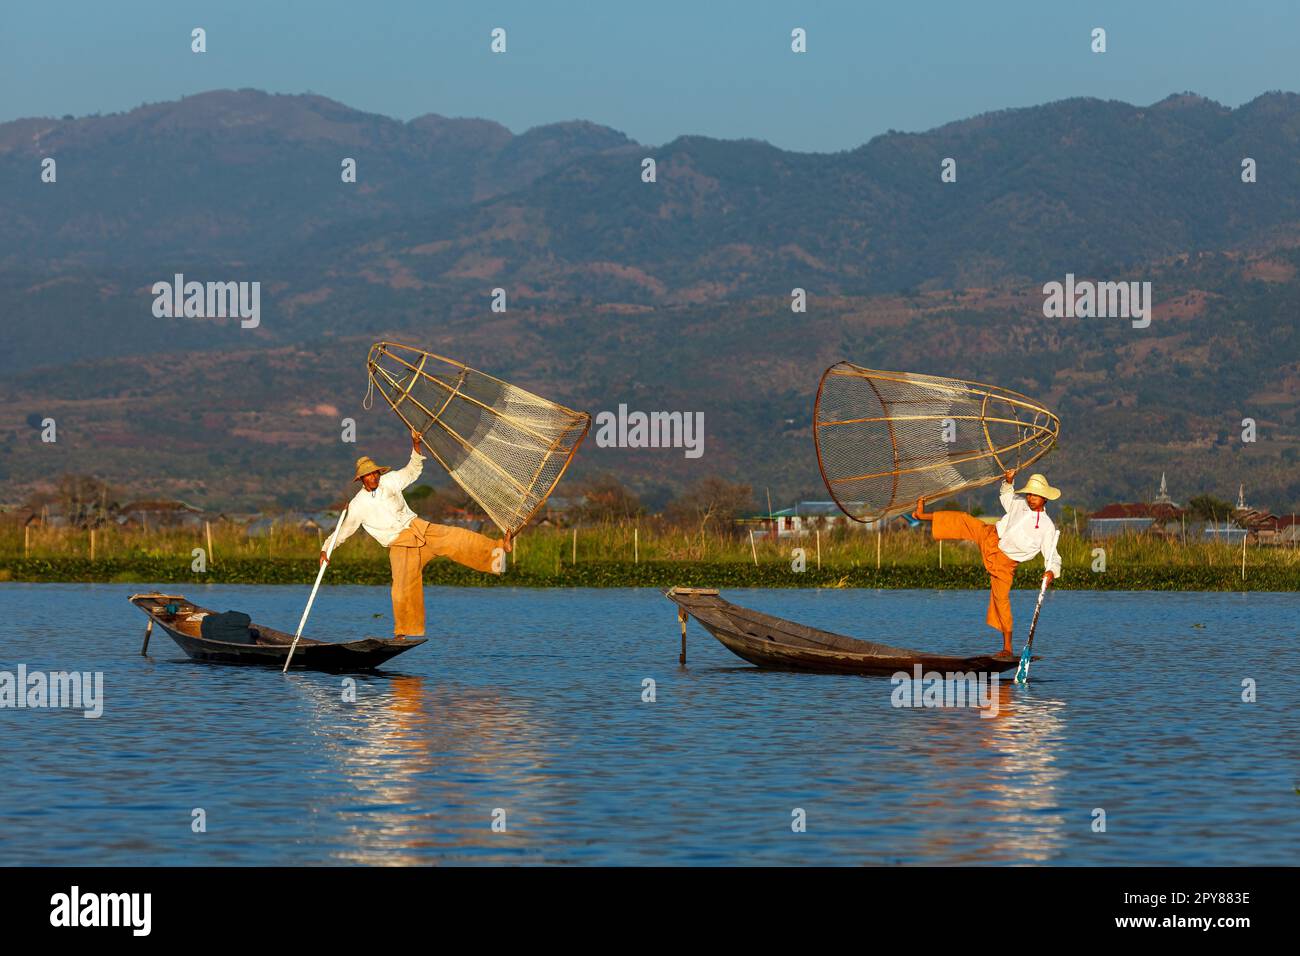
x,y
673,294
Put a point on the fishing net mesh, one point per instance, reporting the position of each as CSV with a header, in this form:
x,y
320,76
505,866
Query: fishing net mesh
x,y
885,439
505,446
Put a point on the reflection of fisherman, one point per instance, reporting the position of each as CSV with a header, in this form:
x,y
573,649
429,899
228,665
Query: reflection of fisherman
x,y
1020,534
411,541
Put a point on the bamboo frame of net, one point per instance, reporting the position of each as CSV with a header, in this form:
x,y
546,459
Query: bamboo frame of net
x,y
1038,435
530,494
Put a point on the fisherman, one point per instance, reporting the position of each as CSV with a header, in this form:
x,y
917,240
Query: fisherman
x,y
412,542
1020,534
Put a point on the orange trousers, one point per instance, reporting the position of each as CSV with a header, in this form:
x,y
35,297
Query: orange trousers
x,y
957,525
418,544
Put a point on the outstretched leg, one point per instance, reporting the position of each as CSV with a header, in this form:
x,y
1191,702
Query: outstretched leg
x,y
461,545
959,526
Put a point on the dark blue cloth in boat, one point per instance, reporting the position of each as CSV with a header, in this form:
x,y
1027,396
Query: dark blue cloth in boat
x,y
231,627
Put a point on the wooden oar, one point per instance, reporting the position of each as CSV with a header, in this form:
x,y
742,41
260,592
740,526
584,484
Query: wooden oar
x,y
1022,670
319,574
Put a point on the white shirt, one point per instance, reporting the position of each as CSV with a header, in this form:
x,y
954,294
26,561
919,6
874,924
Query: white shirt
x,y
1024,533
382,512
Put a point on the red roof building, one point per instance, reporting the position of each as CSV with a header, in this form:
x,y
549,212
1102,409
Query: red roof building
x,y
1137,517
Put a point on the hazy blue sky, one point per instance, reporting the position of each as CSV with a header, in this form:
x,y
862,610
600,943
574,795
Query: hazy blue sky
x,y
654,69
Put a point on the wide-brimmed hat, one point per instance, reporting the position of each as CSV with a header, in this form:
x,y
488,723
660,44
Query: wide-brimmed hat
x,y
365,466
1037,485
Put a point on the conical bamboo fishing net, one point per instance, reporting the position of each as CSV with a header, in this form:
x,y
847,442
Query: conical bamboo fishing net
x,y
885,439
505,446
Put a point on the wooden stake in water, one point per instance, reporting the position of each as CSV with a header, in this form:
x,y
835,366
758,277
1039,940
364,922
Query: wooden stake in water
x,y
877,547
941,555
1243,557
27,539
314,588
819,549
207,527
636,545
752,549
681,616
575,544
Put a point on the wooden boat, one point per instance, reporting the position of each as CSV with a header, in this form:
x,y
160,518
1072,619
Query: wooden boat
x,y
182,620
775,643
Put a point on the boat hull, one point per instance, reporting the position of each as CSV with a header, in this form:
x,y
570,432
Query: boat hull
x,y
270,647
774,643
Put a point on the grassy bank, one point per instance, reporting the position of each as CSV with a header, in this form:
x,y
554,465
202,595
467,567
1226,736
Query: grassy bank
x,y
647,555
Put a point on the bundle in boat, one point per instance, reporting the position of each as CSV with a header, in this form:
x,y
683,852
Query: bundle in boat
x,y
885,439
506,447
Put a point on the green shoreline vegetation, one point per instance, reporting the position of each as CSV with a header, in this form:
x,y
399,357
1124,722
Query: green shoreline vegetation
x,y
615,554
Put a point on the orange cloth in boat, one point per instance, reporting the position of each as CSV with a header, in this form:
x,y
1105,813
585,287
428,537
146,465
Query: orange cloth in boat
x,y
959,526
418,544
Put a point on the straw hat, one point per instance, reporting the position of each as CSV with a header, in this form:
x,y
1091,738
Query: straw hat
x,y
366,465
1037,485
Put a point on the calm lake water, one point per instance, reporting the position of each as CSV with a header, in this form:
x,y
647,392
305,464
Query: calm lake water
x,y
530,701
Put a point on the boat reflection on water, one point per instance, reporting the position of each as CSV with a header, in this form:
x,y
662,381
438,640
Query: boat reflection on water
x,y
419,771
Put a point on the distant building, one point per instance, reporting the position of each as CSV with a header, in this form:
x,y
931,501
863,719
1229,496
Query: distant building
x,y
20,518
1262,526
1138,517
240,519
1288,531
161,513
46,516
782,524
827,514
557,511
308,521
807,517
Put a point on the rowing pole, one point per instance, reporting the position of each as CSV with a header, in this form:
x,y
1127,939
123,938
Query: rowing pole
x,y
1022,670
320,574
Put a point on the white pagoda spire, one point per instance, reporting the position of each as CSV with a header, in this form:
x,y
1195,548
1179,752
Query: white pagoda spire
x,y
1162,497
